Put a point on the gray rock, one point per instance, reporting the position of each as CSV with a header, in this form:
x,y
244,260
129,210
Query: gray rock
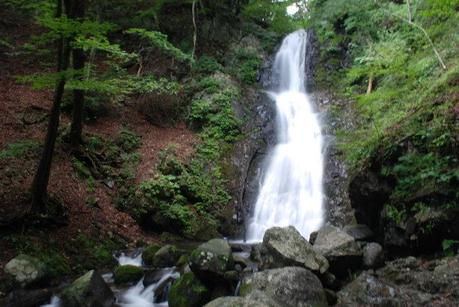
x,y
289,286
340,249
406,282
359,232
235,301
211,260
367,290
27,271
88,290
286,247
373,255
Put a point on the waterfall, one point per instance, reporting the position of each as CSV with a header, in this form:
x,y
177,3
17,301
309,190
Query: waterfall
x,y
291,189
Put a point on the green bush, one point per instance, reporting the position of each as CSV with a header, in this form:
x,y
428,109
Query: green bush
x,y
207,65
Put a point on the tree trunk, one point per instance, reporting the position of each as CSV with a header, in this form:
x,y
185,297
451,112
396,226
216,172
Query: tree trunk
x,y
370,84
79,59
41,179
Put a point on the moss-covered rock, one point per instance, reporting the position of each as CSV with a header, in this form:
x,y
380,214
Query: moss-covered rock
x,y
211,260
166,256
188,291
87,291
149,253
128,274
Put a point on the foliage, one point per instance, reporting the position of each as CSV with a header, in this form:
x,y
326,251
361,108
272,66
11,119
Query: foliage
x,y
273,15
405,125
18,149
207,65
159,40
450,247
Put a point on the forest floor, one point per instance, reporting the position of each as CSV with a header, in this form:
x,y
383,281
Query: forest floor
x,y
23,116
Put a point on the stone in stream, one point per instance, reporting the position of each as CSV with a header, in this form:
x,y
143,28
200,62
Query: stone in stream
x,y
166,256
340,249
188,291
87,291
287,287
27,271
286,247
128,274
149,253
211,260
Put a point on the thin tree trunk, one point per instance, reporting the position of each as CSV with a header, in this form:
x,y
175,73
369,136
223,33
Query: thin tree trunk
x,y
41,179
79,60
409,20
195,28
370,84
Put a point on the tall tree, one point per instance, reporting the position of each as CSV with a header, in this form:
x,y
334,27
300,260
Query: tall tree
x,y
41,179
79,59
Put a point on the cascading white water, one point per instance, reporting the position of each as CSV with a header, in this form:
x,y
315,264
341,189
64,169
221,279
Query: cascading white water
x,y
291,189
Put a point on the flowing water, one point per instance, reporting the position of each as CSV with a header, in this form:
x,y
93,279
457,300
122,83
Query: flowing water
x,y
138,295
291,189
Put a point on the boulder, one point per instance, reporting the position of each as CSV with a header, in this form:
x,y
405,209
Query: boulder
x,y
236,301
128,274
166,256
359,232
27,271
149,253
87,291
188,291
27,298
340,249
407,281
368,290
289,286
211,260
373,255
286,247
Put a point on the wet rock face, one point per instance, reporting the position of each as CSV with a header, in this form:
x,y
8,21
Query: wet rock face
x,y
336,178
406,282
211,260
289,286
368,192
87,291
27,271
286,247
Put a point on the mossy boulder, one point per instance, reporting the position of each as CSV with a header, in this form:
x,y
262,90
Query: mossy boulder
x,y
188,291
87,291
211,260
166,256
149,253
27,271
128,274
